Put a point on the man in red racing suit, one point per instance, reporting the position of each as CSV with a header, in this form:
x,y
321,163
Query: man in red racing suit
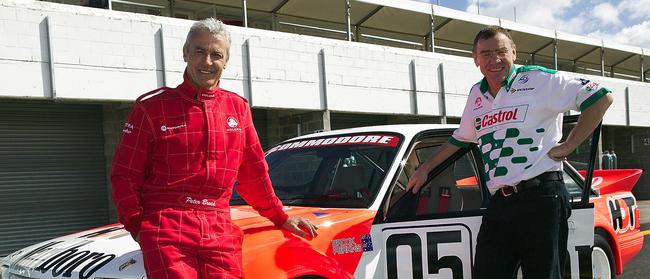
x,y
173,171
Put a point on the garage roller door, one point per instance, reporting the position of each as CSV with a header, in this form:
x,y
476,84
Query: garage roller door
x,y
52,172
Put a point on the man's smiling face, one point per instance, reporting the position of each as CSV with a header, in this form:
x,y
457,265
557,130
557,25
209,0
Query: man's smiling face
x,y
495,57
206,56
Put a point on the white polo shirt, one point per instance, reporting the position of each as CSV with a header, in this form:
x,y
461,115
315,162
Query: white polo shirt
x,y
516,129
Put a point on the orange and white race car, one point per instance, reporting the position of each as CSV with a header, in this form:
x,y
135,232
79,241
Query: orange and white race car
x,y
350,183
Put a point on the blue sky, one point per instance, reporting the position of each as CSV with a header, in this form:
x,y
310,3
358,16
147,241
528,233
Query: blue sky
x,y
623,21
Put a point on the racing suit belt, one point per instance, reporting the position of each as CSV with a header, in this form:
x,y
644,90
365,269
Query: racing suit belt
x,y
158,201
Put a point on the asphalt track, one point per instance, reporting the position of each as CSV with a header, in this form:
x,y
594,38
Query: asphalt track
x,y
639,268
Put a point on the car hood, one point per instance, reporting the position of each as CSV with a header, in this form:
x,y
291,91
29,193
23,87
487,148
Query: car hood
x,y
100,252
110,252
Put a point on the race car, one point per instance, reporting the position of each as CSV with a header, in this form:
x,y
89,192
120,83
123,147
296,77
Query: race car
x,y
351,184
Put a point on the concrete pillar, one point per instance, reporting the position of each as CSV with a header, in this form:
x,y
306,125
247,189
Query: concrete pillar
x,y
443,102
327,122
414,87
50,54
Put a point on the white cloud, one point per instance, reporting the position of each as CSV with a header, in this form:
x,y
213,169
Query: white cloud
x,y
545,14
634,15
635,9
607,14
635,35
638,35
626,22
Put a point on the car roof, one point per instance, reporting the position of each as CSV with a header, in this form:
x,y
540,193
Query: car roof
x,y
408,130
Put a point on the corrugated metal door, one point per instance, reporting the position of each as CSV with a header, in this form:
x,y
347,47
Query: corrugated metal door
x,y
52,173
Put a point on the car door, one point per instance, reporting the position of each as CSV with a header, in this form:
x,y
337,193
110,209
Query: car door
x,y
581,227
581,223
432,234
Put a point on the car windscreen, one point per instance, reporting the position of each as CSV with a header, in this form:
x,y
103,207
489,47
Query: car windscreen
x,y
344,171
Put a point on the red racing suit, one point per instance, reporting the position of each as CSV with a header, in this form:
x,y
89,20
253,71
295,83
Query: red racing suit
x,y
172,176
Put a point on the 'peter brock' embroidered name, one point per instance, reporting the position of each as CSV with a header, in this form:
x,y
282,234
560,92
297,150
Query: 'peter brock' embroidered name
x,y
352,139
206,202
501,116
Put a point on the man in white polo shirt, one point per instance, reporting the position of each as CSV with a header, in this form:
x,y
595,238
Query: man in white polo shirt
x,y
515,116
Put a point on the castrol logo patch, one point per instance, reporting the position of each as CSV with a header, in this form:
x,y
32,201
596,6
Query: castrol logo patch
x,y
501,116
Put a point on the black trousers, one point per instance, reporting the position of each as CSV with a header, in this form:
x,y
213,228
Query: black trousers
x,y
529,227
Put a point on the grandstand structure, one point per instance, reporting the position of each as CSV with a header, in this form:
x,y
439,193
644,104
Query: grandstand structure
x,y
408,24
72,69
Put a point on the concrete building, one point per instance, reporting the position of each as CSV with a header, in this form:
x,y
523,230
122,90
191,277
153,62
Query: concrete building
x,y
70,74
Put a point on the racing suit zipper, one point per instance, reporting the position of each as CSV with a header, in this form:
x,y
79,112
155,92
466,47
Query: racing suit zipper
x,y
209,150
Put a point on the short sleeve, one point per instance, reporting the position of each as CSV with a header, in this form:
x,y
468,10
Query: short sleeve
x,y
572,93
466,132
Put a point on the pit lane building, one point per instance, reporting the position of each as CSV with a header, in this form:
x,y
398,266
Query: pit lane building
x,y
70,73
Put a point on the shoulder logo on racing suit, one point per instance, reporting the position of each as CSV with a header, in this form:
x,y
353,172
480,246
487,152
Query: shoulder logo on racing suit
x,y
501,116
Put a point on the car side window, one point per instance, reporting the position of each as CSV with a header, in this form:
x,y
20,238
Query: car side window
x,y
454,189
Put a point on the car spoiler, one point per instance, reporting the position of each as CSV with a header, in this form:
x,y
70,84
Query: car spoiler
x,y
617,180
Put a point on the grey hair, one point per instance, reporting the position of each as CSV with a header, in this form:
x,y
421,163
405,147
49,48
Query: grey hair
x,y
212,25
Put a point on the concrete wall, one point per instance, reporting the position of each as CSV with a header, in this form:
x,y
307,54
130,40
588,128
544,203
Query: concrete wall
x,y
70,52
